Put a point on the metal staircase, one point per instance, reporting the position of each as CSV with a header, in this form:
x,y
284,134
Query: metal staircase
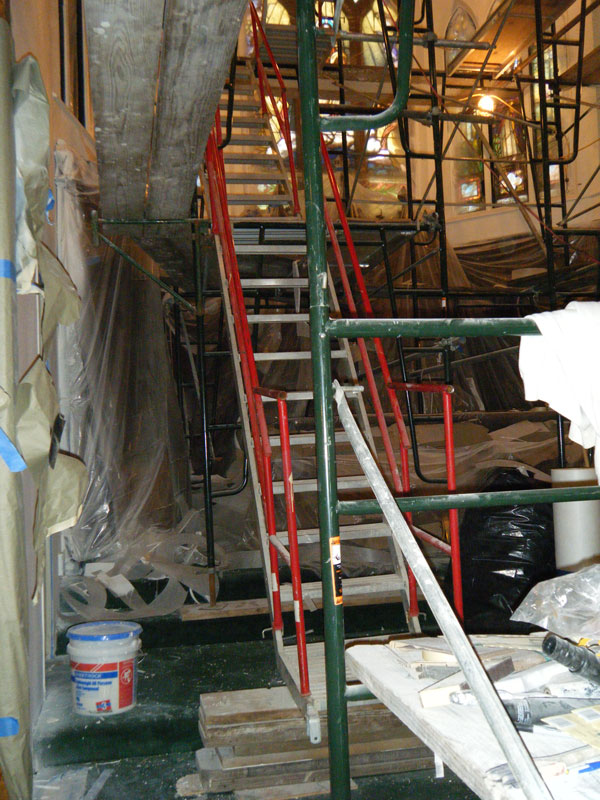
x,y
265,288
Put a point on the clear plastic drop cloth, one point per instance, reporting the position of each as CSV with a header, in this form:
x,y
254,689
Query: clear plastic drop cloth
x,y
114,383
567,605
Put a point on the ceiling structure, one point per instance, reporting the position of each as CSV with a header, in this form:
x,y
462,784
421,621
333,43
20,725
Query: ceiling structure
x,y
156,74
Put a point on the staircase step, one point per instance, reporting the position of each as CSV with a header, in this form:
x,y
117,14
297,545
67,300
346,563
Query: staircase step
x,y
274,283
244,139
256,177
245,106
276,319
249,158
298,355
308,394
244,122
312,484
271,249
305,438
370,586
259,199
365,530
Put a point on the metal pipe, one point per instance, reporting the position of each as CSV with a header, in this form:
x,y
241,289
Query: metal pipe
x,y
351,328
15,749
365,122
335,668
442,502
521,763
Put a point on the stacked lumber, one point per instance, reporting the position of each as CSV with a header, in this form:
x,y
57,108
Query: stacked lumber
x,y
256,739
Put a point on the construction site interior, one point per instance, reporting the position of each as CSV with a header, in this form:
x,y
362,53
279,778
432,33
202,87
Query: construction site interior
x,y
264,283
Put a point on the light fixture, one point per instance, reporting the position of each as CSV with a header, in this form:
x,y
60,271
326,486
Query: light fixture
x,y
486,104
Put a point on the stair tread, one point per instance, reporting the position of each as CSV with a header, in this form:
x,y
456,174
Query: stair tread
x,y
305,438
271,249
364,530
259,199
312,484
291,355
249,158
369,585
256,177
276,319
274,283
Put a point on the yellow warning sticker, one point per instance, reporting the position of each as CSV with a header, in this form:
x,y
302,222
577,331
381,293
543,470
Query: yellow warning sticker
x,y
336,569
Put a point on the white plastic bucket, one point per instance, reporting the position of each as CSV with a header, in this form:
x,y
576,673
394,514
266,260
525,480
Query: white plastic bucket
x,y
103,666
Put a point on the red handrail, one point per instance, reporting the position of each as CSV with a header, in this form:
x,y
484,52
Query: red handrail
x,y
265,87
290,510
446,391
222,226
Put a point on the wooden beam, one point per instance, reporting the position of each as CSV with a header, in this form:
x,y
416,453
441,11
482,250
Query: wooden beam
x,y
200,37
124,40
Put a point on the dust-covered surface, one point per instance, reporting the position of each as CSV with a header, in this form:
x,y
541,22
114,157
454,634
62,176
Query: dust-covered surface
x,y
170,681
155,778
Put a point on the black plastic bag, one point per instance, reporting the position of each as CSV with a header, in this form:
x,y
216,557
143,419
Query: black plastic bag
x,y
504,552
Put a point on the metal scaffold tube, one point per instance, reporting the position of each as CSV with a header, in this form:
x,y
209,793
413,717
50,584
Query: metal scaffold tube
x,y
527,776
337,715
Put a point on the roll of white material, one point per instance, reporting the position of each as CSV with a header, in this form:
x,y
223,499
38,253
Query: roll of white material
x,y
576,524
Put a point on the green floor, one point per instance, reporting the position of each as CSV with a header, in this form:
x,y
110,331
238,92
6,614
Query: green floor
x,y
141,754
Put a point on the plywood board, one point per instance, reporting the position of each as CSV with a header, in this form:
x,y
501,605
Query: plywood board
x,y
459,734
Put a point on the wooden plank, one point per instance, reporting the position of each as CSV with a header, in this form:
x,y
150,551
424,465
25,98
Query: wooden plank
x,y
200,36
124,47
292,791
590,74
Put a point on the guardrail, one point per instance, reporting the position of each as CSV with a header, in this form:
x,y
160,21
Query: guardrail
x,y
283,118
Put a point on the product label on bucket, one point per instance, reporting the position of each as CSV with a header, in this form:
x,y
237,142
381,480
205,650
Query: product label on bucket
x,y
103,688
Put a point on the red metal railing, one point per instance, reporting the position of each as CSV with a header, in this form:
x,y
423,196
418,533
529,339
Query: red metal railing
x,y
446,391
292,557
403,486
283,119
258,425
258,422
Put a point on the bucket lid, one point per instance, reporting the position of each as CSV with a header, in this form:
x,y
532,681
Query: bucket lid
x,y
104,631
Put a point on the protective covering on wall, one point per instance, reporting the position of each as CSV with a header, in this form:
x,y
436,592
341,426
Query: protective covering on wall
x,y
115,386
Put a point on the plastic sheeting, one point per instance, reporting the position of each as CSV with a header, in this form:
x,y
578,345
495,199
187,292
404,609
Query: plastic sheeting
x,y
115,385
567,605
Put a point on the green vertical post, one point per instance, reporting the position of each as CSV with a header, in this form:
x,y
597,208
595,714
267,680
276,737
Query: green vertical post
x,y
337,715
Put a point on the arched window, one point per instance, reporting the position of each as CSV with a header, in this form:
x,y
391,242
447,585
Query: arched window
x,y
277,13
373,52
461,27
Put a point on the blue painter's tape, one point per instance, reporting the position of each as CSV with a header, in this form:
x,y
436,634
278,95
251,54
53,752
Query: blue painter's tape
x,y
9,726
49,206
7,269
10,455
